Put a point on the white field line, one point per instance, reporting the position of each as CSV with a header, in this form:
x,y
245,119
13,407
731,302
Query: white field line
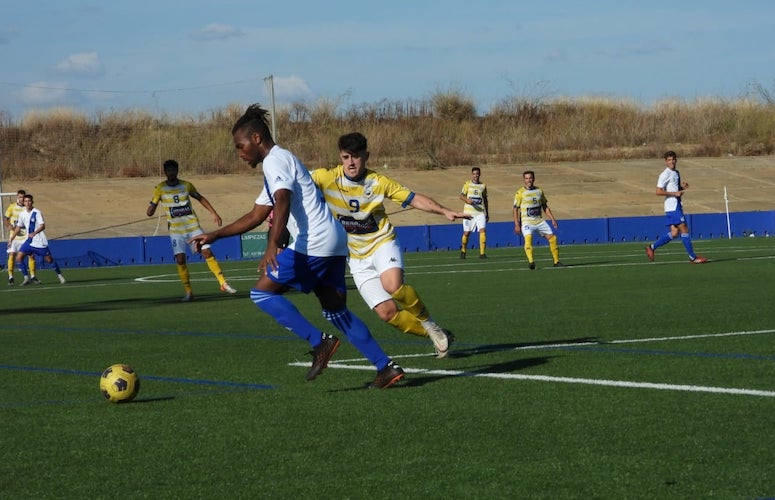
x,y
343,364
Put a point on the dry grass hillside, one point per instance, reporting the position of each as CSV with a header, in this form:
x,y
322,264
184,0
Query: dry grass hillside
x,y
92,208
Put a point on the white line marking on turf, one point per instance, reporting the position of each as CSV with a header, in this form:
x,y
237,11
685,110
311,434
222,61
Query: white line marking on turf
x,y
341,364
568,380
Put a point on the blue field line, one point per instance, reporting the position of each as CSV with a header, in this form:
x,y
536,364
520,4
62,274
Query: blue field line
x,y
730,355
118,331
179,380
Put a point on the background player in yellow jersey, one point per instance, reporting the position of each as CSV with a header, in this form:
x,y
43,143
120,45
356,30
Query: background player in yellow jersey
x,y
529,203
356,197
474,195
175,196
11,216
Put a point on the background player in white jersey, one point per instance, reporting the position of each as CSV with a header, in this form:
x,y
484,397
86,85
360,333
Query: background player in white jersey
x,y
672,188
31,221
183,224
529,205
356,196
11,216
477,208
315,258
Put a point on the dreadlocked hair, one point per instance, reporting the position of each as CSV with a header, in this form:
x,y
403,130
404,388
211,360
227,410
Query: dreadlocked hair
x,y
254,120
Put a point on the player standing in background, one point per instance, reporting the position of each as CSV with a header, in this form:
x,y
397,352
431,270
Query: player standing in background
x,y
31,221
315,259
474,195
356,196
529,203
672,188
11,216
175,196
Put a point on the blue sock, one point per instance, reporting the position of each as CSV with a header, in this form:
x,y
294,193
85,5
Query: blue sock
x,y
662,241
56,268
358,334
686,239
23,267
285,313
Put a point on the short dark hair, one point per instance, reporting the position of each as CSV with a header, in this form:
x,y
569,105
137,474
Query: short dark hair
x,y
354,142
254,120
670,154
28,196
528,172
170,165
21,191
476,169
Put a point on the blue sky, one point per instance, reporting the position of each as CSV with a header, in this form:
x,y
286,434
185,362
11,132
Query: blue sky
x,y
191,56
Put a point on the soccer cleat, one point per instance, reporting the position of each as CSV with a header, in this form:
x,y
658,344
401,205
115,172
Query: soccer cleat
x,y
35,281
187,297
26,281
321,355
482,256
438,336
10,281
387,376
462,255
227,289
650,253
531,265
699,260
61,279
559,264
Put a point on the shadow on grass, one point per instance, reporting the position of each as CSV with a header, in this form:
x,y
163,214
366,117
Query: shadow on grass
x,y
490,348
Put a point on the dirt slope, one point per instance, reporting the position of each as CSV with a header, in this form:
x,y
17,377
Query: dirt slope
x,y
116,207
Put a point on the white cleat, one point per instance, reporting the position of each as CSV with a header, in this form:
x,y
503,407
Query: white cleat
x,y
61,279
227,289
439,337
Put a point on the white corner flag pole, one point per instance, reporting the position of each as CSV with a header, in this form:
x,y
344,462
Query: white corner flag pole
x,y
726,206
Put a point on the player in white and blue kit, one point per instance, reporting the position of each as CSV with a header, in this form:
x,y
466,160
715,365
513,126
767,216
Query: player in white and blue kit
x,y
314,260
672,188
31,221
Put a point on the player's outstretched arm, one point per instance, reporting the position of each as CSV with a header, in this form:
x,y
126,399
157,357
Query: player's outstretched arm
x,y
206,203
249,221
427,204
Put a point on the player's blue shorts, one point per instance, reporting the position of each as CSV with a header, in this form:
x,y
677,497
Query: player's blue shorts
x,y
28,249
675,217
305,273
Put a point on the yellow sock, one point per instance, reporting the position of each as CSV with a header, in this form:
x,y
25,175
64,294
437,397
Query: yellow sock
x,y
185,277
216,270
554,248
482,242
529,247
11,262
408,323
407,298
464,243
32,264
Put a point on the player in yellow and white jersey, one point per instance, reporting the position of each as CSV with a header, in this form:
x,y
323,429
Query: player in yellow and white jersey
x,y
529,205
11,216
474,195
175,196
356,197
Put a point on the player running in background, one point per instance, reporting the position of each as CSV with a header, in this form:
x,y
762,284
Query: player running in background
x,y
315,258
474,195
175,197
529,205
356,195
31,221
672,188
11,216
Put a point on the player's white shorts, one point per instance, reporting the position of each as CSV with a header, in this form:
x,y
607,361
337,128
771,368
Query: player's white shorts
x,y
180,242
544,229
366,272
476,222
16,245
